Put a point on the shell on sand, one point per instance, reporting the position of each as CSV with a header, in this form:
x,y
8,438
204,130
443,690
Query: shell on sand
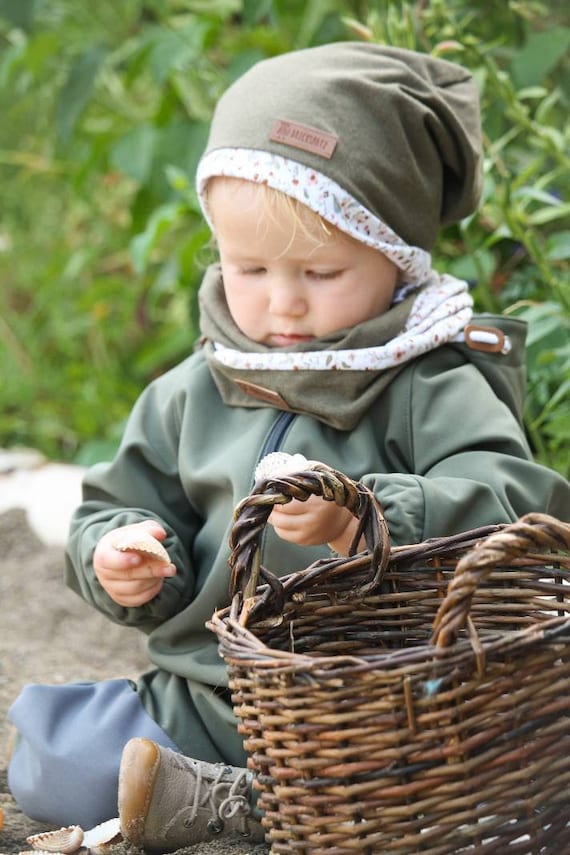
x,y
42,852
100,838
39,852
63,840
144,544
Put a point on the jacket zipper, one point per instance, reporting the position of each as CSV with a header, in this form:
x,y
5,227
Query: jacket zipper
x,y
277,433
273,442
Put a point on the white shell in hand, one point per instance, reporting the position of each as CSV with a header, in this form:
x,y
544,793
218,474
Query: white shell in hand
x,y
144,544
280,463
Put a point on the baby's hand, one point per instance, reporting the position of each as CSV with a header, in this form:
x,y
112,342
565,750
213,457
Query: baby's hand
x,y
314,522
133,575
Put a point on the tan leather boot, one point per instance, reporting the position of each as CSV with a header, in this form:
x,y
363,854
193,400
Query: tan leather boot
x,y
168,801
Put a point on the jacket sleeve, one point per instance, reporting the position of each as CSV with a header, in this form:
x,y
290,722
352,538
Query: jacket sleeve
x,y
141,483
460,457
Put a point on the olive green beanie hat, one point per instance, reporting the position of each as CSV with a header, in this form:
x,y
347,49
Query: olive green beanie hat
x,y
397,131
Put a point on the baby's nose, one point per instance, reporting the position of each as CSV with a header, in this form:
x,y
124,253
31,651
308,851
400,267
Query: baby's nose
x,y
287,297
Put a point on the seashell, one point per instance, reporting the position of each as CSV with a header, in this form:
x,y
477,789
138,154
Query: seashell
x,y
145,544
45,852
39,852
100,838
280,463
63,840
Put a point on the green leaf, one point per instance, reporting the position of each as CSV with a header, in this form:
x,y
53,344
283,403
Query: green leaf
x,y
218,8
77,90
548,215
40,52
133,154
255,10
176,48
180,143
161,220
544,323
558,246
555,137
315,13
545,108
539,55
165,349
19,13
243,62
562,391
538,195
178,179
10,63
473,267
531,92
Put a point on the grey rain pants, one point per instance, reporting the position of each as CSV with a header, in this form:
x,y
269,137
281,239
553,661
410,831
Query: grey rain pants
x,y
65,765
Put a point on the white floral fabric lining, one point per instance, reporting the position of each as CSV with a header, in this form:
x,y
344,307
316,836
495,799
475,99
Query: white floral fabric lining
x,y
323,196
439,314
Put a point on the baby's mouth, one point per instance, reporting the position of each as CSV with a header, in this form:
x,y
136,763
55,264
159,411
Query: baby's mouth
x,y
289,339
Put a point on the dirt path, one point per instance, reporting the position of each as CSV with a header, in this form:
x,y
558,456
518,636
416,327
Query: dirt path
x,y
49,635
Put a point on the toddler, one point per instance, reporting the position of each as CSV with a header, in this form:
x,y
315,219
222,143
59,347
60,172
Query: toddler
x,y
325,332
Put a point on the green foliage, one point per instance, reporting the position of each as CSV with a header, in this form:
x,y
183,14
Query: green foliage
x,y
105,113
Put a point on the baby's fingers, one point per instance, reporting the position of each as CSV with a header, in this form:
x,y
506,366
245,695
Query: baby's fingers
x,y
134,593
141,567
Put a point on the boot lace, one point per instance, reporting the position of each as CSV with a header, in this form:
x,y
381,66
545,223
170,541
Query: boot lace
x,y
225,800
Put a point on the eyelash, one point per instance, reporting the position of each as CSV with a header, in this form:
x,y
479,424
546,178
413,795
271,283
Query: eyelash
x,y
253,271
312,274
331,274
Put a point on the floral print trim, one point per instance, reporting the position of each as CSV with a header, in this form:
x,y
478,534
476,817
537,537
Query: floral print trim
x,y
439,314
322,195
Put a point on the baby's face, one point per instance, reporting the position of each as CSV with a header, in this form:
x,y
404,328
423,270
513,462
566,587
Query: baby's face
x,y
284,286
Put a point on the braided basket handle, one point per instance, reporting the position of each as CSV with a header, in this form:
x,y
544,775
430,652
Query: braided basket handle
x,y
533,533
251,515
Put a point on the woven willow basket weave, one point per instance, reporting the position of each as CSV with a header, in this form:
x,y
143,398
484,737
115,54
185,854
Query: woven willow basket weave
x,y
412,700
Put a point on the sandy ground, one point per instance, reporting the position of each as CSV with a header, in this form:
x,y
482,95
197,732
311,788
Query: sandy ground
x,y
48,634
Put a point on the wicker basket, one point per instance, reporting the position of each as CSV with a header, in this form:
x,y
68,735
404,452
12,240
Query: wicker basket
x,y
412,700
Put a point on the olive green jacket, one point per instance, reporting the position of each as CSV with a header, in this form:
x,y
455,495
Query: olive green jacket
x,y
442,448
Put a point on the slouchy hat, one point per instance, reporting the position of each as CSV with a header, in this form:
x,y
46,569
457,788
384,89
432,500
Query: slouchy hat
x,y
397,131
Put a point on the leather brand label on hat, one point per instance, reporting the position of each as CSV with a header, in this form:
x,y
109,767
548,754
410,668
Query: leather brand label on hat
x,y
304,137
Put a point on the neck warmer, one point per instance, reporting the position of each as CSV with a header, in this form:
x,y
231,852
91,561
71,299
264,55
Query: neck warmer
x,y
359,361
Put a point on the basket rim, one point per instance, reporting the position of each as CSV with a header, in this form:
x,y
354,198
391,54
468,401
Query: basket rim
x,y
242,647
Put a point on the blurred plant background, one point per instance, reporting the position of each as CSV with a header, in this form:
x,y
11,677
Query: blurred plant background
x,y
105,110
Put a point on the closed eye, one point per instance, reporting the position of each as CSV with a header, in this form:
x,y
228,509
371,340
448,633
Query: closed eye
x,y
252,271
324,274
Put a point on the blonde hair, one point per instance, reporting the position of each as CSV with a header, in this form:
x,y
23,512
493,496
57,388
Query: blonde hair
x,y
280,208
